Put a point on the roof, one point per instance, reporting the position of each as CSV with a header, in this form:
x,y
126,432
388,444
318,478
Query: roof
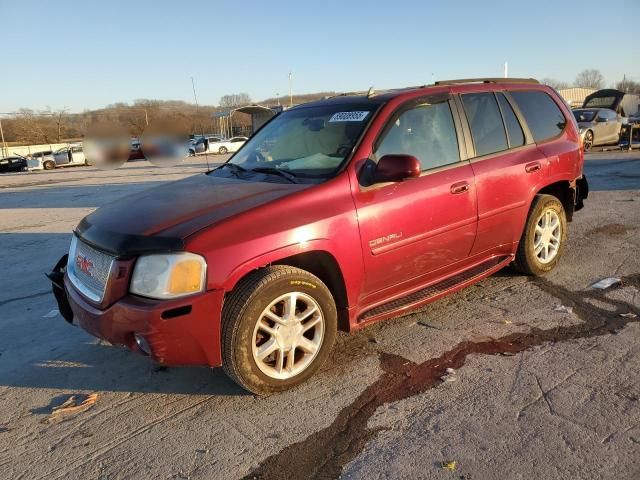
x,y
383,96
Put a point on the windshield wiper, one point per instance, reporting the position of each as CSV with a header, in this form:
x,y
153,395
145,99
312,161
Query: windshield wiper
x,y
236,169
275,171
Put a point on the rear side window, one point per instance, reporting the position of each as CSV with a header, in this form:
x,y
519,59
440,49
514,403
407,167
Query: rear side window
x,y
427,132
514,130
485,122
543,116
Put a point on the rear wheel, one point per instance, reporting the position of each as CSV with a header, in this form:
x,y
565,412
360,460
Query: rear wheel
x,y
544,237
222,150
278,327
49,165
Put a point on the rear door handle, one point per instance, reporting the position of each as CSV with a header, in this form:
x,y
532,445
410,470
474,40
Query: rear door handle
x,y
460,187
532,167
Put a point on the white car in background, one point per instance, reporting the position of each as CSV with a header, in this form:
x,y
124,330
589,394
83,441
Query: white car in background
x,y
71,155
227,146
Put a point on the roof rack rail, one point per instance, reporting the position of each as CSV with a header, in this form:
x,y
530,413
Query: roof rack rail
x,y
487,80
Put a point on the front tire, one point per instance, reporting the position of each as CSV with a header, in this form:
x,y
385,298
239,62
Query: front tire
x,y
222,150
588,140
544,237
278,327
49,165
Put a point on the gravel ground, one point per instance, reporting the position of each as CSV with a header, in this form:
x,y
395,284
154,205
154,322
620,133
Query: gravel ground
x,y
534,390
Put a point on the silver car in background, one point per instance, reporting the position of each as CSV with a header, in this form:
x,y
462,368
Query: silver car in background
x,y
598,126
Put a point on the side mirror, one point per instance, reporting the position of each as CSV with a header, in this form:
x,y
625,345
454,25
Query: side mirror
x,y
395,168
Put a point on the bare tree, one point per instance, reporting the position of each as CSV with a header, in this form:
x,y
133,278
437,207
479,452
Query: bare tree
x,y
553,83
628,86
235,100
590,78
58,119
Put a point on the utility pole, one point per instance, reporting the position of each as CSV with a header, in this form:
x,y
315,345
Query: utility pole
x,y
506,69
290,92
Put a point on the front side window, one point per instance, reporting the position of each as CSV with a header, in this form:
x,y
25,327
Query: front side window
x,y
427,132
308,142
485,121
542,114
608,114
584,115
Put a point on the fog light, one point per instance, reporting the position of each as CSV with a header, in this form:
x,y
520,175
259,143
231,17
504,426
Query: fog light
x,y
142,344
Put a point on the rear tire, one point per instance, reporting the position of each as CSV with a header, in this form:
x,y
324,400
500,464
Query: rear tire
x,y
297,347
544,238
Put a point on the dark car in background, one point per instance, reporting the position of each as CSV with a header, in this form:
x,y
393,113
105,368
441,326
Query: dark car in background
x,y
12,164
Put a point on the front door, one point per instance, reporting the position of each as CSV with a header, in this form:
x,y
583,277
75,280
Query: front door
x,y
412,228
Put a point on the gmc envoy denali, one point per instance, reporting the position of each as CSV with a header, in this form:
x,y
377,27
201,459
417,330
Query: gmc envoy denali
x,y
335,214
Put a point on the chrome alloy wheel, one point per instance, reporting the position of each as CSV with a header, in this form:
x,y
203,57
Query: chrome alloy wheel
x,y
288,335
546,242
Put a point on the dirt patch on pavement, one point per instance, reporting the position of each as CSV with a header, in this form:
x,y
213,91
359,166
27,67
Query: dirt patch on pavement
x,y
612,229
328,450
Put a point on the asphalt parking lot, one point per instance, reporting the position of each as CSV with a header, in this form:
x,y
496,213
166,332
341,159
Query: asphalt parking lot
x,y
544,379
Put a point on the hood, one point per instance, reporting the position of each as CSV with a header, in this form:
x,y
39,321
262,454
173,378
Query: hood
x,y
159,219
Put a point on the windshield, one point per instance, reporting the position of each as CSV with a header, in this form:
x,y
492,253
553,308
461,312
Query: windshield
x,y
309,142
584,115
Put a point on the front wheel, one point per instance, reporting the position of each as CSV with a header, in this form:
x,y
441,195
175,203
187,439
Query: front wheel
x,y
222,150
544,237
278,327
588,140
49,165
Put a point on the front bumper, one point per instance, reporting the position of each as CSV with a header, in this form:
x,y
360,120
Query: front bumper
x,y
178,332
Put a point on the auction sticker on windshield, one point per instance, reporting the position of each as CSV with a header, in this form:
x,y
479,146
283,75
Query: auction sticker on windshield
x,y
348,116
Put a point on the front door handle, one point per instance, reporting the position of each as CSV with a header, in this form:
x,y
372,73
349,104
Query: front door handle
x,y
460,187
532,167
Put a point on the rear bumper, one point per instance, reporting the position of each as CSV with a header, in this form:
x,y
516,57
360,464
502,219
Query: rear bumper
x,y
190,337
582,192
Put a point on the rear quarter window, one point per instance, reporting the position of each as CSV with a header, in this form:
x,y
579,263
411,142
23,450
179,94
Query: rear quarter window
x,y
542,114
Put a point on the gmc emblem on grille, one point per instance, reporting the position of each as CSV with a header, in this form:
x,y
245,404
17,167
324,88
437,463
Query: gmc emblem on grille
x,y
84,264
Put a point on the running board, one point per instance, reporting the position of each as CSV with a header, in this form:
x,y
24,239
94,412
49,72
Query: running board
x,y
422,296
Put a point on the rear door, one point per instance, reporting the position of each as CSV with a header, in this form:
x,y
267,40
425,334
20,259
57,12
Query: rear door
x,y
77,155
507,165
413,228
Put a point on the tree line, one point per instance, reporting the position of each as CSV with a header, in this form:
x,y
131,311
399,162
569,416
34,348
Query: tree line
x,y
48,126
593,78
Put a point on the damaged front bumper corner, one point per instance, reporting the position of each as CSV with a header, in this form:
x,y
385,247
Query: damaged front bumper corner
x,y
57,285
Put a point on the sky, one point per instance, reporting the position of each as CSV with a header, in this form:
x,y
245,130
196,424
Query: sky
x,y
83,54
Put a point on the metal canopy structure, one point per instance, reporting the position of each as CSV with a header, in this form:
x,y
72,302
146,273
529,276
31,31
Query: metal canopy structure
x,y
260,114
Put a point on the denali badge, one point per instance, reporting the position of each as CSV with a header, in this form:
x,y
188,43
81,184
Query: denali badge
x,y
84,264
387,238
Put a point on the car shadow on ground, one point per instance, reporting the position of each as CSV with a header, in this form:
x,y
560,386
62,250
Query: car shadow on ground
x,y
91,365
608,172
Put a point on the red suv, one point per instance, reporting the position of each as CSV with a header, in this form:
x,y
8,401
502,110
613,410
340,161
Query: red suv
x,y
335,214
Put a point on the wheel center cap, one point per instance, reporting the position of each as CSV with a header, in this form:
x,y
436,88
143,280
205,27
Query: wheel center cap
x,y
288,335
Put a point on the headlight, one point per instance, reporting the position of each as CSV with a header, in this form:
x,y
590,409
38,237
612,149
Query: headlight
x,y
169,276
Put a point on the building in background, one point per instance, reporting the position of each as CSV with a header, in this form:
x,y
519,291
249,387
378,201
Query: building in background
x,y
575,96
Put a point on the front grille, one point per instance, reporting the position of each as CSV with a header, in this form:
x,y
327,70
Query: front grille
x,y
89,269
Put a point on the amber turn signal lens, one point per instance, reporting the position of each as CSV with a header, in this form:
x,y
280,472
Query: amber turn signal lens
x,y
186,277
